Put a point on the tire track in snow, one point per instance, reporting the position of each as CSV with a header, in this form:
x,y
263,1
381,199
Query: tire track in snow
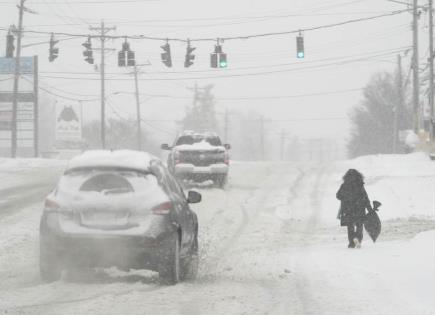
x,y
297,232
259,199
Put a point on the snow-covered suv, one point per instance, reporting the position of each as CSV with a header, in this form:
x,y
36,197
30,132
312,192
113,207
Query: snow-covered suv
x,y
119,208
199,157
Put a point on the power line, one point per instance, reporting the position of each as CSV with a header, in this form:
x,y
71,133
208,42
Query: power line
x,y
235,75
111,106
140,37
58,95
90,2
261,98
365,56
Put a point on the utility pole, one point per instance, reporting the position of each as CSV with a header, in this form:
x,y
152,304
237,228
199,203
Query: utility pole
x,y
283,135
138,114
226,119
399,104
36,105
16,81
431,72
262,137
195,96
103,31
416,83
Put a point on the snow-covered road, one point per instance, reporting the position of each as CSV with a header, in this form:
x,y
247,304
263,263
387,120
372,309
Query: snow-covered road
x,y
269,244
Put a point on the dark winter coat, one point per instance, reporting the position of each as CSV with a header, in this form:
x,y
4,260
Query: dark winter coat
x,y
354,202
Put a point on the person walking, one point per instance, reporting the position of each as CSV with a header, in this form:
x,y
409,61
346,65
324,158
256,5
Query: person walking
x,y
354,202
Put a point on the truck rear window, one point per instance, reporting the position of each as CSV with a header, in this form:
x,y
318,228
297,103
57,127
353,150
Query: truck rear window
x,y
189,140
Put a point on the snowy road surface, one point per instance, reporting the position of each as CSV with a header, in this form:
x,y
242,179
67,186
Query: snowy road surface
x,y
269,244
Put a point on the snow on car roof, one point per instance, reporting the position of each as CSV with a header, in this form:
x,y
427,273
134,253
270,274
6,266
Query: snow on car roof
x,y
202,145
117,158
198,134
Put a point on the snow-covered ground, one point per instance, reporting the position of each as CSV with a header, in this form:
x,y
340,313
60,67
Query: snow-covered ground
x,y
270,244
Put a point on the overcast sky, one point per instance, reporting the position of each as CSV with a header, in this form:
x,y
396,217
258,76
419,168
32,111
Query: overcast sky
x,y
339,60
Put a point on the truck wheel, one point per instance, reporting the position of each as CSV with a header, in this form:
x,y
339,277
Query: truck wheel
x,y
221,181
50,268
169,270
189,265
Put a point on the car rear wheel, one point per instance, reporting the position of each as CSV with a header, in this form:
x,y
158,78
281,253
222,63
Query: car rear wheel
x,y
170,268
189,265
50,268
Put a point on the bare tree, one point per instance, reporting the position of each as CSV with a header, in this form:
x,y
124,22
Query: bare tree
x,y
373,121
201,116
121,134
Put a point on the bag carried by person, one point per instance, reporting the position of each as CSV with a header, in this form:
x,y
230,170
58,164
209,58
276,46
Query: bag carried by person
x,y
372,223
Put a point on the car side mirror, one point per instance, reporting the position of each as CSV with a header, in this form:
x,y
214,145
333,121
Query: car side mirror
x,y
376,205
193,197
227,146
165,146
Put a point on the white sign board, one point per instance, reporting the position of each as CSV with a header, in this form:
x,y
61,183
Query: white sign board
x,y
68,122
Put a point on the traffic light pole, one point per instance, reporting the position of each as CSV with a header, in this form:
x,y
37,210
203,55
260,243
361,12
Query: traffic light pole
x,y
103,31
16,82
138,112
399,105
262,137
416,81
431,72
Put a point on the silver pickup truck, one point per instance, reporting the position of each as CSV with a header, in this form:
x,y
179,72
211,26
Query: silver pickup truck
x,y
199,157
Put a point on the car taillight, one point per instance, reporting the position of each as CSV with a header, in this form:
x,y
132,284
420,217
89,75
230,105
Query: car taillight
x,y
163,208
176,157
51,205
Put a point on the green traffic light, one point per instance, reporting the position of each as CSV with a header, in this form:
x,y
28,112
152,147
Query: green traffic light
x,y
301,54
223,64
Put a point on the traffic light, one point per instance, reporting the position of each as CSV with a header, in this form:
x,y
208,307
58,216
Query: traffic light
x,y
10,48
53,52
189,56
218,59
166,55
300,47
223,60
88,53
131,58
126,57
125,46
214,60
122,59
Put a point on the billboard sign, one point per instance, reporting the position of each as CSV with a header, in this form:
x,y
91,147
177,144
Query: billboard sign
x,y
7,65
68,122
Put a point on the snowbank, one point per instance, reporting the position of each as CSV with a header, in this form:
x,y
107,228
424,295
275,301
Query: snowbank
x,y
22,172
9,165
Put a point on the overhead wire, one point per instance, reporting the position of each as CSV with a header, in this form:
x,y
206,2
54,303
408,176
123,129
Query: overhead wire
x,y
241,37
234,75
112,107
46,90
342,58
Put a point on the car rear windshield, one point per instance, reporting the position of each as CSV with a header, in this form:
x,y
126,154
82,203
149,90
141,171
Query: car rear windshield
x,y
215,141
107,181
